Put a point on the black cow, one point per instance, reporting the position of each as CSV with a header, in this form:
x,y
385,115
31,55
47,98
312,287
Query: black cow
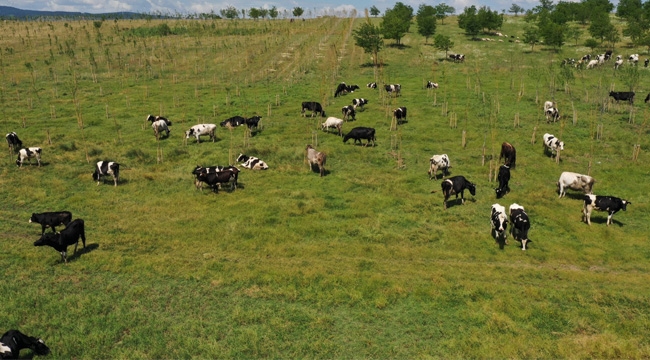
x,y
51,219
253,122
520,225
153,119
456,185
312,106
372,85
359,133
212,170
504,178
396,89
623,95
13,341
214,180
105,168
509,153
13,141
400,114
608,54
349,112
233,121
344,89
610,204
68,236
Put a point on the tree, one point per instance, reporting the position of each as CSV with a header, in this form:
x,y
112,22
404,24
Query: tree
x,y
553,34
592,44
264,13
368,37
442,10
426,19
254,13
443,42
629,9
230,12
531,36
374,11
613,36
468,21
297,11
516,9
600,26
396,22
573,32
488,19
273,12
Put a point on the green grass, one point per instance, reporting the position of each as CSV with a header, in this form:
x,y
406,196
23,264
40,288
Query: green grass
x,y
361,263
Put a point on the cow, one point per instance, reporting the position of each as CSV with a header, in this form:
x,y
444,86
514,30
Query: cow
x,y
592,64
399,114
574,181
504,178
51,219
359,133
13,341
348,112
623,95
372,85
645,62
552,114
201,129
253,122
439,162
634,58
158,127
212,170
586,57
215,179
233,121
647,98
569,61
457,57
552,143
105,168
618,62
509,153
344,89
153,119
393,89
68,236
333,122
549,105
359,103
456,185
610,204
316,158
28,154
251,162
499,222
608,54
312,106
431,85
519,225
13,141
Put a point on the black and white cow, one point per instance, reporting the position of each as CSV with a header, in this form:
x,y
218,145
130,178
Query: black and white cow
x,y
499,222
552,114
158,127
456,185
610,204
439,162
105,168
342,88
645,62
13,141
393,89
312,106
400,114
51,219
574,181
647,98
28,154
359,103
213,170
202,129
251,162
333,122
153,119
457,57
504,178
359,133
348,112
253,122
509,153
634,58
233,121
520,224
68,236
13,341
372,85
431,85
623,95
552,143
215,179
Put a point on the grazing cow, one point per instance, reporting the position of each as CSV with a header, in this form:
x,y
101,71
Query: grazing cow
x,y
393,89
552,143
618,62
574,181
13,341
201,129
645,62
28,154
634,58
212,170
499,222
13,141
456,185
431,85
504,178
610,204
312,106
158,127
400,114
359,103
359,133
552,114
348,112
316,158
569,61
592,64
233,121
51,219
549,105
439,162
344,89
608,54
153,119
68,236
253,122
457,57
586,57
333,122
215,179
509,153
623,95
251,162
520,224
104,168
372,85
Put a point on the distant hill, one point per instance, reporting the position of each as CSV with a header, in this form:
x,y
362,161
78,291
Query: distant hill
x,y
12,12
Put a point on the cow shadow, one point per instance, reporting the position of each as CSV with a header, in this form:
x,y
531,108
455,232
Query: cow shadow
x,y
500,240
316,169
30,165
575,195
80,251
602,220
458,202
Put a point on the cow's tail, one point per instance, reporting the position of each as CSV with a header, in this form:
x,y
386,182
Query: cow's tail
x,y
83,234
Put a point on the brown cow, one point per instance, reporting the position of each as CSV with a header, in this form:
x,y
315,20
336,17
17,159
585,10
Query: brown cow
x,y
509,153
316,158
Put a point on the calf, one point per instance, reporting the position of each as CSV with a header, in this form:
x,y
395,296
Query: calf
x,y
456,185
359,103
13,341
253,122
333,122
215,179
348,112
509,153
520,224
499,222
552,143
552,114
13,141
431,85
153,119
603,203
574,181
233,121
251,162
400,114
68,236
51,219
316,158
439,162
105,168
28,154
158,127
393,89
504,178
312,106
359,133
623,95
372,85
201,129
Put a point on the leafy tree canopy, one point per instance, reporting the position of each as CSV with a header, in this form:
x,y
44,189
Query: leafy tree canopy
x,y
426,19
297,11
230,12
374,11
396,22
368,37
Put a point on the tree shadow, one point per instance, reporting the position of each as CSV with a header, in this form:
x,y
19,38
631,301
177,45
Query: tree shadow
x,y
370,65
399,46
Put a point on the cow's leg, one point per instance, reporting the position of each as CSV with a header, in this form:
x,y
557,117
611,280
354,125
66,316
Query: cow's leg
x,y
609,218
64,257
523,244
114,180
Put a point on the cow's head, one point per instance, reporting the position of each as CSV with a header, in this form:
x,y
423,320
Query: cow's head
x,y
560,145
241,158
188,133
472,188
625,204
500,192
34,218
39,347
46,239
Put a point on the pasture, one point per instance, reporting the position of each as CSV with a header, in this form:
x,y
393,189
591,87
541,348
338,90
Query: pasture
x,y
363,262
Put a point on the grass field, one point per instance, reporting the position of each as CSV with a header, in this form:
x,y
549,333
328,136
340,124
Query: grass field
x,y
363,262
